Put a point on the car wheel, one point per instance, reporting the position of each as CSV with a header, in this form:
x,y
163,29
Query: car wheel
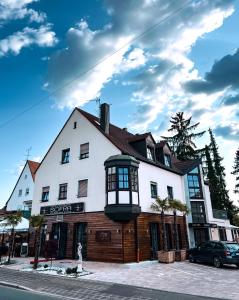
x,y
217,262
191,258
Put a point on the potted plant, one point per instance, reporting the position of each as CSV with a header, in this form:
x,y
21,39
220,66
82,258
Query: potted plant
x,y
162,205
177,205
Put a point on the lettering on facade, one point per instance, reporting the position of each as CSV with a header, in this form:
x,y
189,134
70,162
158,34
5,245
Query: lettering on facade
x,y
65,209
103,236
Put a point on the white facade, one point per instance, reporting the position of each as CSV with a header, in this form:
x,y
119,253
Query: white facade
x,y
52,173
22,192
149,173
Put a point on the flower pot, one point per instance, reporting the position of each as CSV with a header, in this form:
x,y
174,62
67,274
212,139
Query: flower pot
x,y
180,255
166,256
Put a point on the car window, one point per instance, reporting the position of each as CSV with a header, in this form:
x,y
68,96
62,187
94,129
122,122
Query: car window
x,y
234,247
206,245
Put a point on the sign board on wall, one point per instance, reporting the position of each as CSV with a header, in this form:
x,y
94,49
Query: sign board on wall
x,y
103,236
72,208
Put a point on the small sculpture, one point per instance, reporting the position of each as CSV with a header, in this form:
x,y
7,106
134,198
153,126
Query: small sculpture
x,y
79,266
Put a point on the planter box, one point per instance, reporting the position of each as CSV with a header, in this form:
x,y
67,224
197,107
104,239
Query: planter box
x,y
166,256
180,255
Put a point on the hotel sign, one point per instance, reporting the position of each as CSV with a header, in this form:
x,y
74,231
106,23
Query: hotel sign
x,y
202,225
65,209
103,236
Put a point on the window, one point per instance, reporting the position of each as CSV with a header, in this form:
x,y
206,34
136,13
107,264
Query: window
x,y
167,160
154,190
123,178
111,179
134,179
170,192
45,193
27,192
65,156
198,212
150,153
194,184
222,234
63,191
25,177
82,188
19,193
84,150
74,125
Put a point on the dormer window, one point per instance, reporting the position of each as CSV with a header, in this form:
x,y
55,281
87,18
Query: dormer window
x,y
150,153
167,160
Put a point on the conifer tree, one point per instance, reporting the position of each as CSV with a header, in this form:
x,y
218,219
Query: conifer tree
x,y
182,143
212,181
223,201
236,171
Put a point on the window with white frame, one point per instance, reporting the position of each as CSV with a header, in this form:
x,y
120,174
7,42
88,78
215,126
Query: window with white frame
x,y
84,150
45,194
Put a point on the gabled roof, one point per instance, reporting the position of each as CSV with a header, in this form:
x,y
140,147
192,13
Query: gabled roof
x,y
121,139
33,165
187,165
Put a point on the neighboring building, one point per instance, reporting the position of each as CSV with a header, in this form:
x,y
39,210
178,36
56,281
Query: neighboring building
x,y
22,194
96,185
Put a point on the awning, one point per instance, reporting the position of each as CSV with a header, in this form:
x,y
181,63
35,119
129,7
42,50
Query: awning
x,y
21,227
202,225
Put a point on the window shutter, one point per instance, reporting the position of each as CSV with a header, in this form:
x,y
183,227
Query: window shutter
x,y
84,148
83,184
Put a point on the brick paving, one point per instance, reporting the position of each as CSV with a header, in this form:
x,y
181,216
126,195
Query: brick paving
x,y
67,288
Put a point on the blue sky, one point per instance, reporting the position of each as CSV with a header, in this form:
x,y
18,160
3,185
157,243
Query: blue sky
x,y
180,65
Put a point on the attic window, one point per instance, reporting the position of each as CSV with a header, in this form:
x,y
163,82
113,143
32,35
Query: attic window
x,y
167,160
150,153
75,125
25,177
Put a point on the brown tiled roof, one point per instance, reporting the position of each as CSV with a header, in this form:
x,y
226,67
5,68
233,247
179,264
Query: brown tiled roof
x,y
187,165
33,165
122,138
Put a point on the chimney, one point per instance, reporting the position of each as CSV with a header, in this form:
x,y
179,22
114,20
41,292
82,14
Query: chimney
x,y
105,117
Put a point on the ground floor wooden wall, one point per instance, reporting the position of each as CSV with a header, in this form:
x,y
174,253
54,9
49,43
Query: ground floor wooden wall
x,y
122,245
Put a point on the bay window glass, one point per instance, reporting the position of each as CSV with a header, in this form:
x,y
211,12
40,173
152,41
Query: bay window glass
x,y
134,179
123,178
111,179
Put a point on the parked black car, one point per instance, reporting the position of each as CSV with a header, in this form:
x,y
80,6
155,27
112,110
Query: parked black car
x,y
217,253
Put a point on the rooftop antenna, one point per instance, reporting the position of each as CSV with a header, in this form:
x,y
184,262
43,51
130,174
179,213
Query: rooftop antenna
x,y
98,101
28,150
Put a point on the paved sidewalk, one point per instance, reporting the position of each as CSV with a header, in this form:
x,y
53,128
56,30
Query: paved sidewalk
x,y
65,288
180,277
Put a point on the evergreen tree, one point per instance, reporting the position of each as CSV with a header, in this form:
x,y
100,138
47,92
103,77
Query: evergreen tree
x,y
236,171
182,143
223,201
212,181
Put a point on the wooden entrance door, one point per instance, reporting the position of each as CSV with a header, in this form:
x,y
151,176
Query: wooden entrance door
x,y
80,236
201,235
59,233
154,239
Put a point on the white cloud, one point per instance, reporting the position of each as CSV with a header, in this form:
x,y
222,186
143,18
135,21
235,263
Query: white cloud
x,y
43,37
17,9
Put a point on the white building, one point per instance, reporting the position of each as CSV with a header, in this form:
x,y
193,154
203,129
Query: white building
x,y
22,194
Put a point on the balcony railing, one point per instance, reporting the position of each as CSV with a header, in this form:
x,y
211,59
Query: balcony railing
x,y
219,214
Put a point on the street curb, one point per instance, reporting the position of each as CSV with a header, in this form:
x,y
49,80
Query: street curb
x,y
16,286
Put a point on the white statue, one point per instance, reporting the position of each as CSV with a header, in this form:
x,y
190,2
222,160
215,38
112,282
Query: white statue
x,y
79,267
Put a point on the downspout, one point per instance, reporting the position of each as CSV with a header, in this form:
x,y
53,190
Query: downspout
x,y
136,240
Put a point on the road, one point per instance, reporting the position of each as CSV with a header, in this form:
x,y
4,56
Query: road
x,y
67,288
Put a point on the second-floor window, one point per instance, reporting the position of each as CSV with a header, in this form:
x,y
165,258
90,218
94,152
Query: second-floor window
x,y
19,193
82,188
111,180
194,184
45,193
154,189
63,191
170,192
123,178
27,192
134,179
65,158
84,150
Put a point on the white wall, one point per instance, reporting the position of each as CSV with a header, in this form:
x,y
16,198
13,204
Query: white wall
x,y
16,202
52,172
163,178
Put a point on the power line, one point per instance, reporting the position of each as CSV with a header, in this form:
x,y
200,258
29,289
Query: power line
x,y
151,28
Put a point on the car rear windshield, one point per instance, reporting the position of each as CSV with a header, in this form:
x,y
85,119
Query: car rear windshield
x,y
234,247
